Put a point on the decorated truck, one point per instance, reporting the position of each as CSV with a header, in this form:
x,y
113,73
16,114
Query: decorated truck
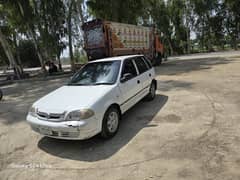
x,y
106,39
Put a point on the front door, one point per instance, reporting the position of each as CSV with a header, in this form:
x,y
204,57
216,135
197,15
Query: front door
x,y
129,87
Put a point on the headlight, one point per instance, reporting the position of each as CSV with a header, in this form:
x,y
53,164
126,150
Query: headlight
x,y
32,111
79,114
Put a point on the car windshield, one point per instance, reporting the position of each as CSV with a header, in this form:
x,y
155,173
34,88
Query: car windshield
x,y
97,73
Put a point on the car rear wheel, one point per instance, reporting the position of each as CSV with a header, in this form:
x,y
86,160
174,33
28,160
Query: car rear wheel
x,y
152,92
1,94
110,123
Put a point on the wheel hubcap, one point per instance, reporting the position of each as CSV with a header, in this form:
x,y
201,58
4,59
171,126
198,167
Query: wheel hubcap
x,y
112,122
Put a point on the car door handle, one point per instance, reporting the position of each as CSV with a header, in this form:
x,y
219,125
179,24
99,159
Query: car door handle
x,y
150,75
138,81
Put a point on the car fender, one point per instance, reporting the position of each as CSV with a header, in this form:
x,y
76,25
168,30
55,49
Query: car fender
x,y
101,106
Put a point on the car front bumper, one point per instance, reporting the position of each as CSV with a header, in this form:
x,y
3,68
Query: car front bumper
x,y
72,130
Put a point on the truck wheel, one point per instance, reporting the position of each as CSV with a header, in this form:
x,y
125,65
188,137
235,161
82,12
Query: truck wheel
x,y
165,57
159,59
110,122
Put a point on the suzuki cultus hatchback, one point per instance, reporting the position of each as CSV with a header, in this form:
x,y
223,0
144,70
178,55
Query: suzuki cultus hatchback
x,y
94,99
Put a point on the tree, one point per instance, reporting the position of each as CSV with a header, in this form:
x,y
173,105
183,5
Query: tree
x,y
51,21
42,22
3,58
70,5
9,54
176,12
28,54
5,42
159,13
74,18
20,14
205,11
233,21
125,12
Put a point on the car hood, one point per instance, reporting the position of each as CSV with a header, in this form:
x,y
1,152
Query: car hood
x,y
68,98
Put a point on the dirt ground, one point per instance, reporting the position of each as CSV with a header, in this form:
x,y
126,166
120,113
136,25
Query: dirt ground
x,y
190,131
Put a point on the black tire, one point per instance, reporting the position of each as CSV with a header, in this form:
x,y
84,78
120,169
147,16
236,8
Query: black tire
x,y
107,132
1,94
152,92
157,60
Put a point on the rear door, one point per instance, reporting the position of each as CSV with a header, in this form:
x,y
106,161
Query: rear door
x,y
144,74
150,72
129,88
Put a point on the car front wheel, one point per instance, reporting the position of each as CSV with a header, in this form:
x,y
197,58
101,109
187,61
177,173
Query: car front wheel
x,y
110,123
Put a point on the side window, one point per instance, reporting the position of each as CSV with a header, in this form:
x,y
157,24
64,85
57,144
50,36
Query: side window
x,y
147,61
128,67
141,65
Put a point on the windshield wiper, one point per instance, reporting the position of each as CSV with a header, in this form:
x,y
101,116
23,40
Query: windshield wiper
x,y
75,84
90,84
103,83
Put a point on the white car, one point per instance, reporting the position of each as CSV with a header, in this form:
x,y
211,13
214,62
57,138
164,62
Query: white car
x,y
94,99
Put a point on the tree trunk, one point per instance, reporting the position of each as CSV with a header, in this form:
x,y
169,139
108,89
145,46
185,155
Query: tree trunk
x,y
236,35
35,42
9,55
69,22
32,34
59,62
188,30
170,46
80,11
202,35
188,40
19,62
234,42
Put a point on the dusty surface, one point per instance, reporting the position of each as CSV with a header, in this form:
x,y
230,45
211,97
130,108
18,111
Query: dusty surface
x,y
190,131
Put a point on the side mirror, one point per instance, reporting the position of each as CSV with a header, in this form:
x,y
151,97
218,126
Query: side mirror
x,y
126,77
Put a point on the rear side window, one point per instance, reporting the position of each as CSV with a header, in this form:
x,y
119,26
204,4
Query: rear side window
x,y
141,65
128,67
147,61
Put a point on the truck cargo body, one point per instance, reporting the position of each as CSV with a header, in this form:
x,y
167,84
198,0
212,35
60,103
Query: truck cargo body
x,y
107,39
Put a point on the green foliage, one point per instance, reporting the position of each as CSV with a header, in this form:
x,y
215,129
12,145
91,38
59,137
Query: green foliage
x,y
41,29
41,21
211,20
51,18
28,54
3,57
7,32
80,56
119,11
233,21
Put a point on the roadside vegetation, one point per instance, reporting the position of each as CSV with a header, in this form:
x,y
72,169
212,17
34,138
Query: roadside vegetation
x,y
33,32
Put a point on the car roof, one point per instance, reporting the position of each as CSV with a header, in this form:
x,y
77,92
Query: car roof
x,y
117,58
